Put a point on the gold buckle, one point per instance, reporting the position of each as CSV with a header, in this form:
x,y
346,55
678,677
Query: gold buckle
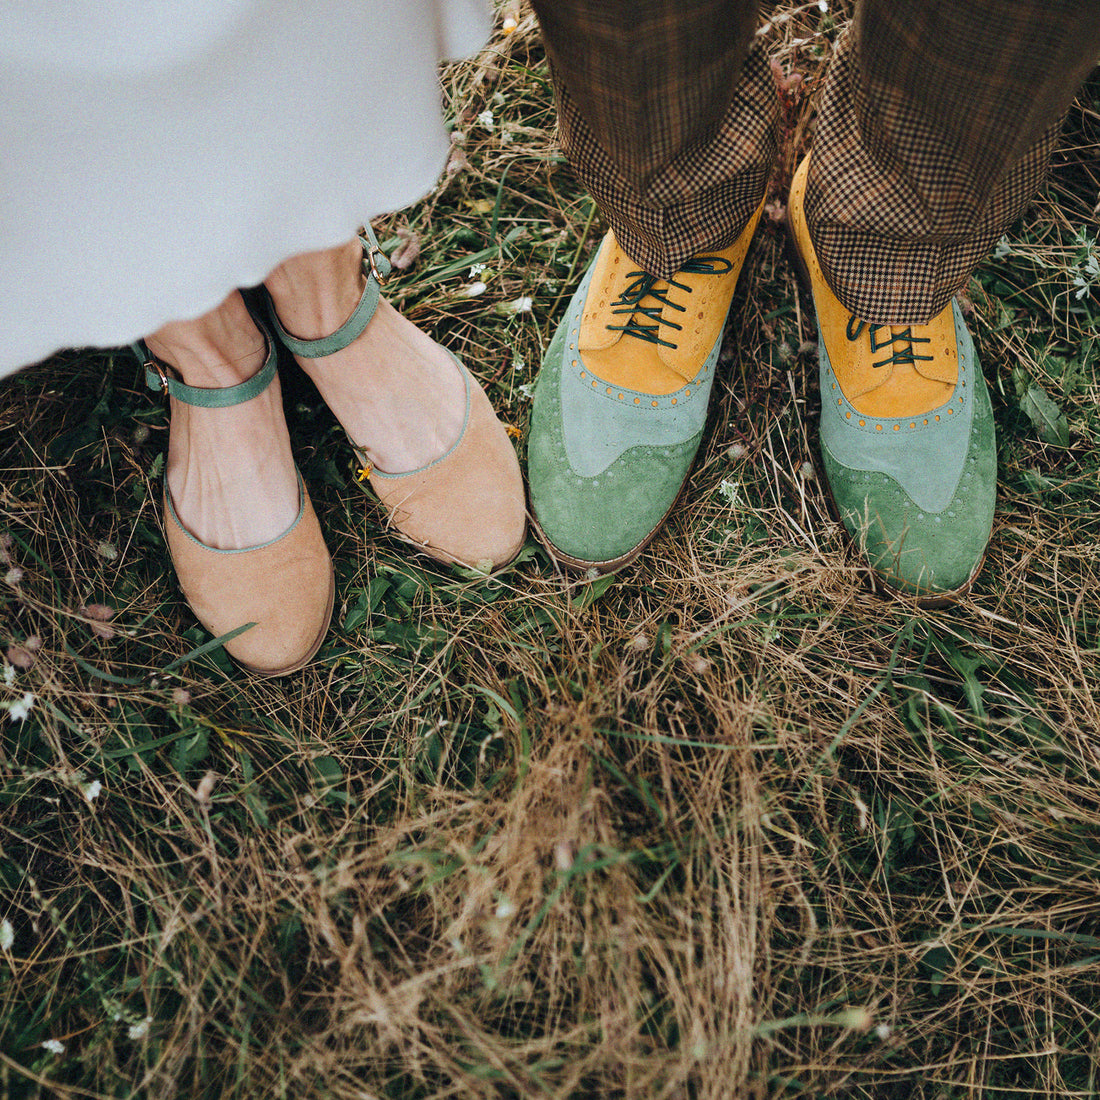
x,y
158,369
381,279
370,250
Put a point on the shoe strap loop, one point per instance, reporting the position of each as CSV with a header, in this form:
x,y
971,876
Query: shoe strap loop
x,y
376,267
157,377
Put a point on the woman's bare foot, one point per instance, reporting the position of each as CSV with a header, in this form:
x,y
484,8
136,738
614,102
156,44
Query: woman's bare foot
x,y
400,396
230,471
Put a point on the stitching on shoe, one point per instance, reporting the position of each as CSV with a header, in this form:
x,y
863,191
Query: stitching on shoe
x,y
171,509
385,475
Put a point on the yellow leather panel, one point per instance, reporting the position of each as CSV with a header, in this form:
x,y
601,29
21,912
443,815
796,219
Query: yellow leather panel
x,y
891,389
631,363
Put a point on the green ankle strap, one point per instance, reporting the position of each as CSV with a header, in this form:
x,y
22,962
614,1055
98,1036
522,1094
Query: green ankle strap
x,y
158,378
376,267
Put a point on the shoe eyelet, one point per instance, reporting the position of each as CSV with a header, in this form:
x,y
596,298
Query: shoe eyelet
x,y
653,403
863,423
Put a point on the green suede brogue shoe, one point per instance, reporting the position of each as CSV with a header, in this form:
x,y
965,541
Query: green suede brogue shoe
x,y
621,402
908,446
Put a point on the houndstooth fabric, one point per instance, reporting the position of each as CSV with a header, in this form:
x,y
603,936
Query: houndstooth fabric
x,y
668,123
935,129
936,124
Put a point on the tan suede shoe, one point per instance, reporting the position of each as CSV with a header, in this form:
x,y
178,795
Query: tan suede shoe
x,y
281,591
285,587
467,507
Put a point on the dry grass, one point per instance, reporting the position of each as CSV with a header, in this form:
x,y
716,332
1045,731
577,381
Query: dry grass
x,y
727,825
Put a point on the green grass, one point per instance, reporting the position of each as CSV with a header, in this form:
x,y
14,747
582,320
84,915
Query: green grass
x,y
725,825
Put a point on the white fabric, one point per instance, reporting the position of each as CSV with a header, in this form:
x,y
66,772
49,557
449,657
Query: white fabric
x,y
154,154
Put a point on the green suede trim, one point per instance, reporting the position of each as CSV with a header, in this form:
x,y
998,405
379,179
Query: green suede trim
x,y
158,378
597,519
918,551
383,475
375,266
171,505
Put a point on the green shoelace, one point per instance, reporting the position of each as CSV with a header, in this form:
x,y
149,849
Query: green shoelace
x,y
902,355
648,286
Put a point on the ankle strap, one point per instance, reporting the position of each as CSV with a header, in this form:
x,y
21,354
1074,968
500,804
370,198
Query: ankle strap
x,y
376,267
158,378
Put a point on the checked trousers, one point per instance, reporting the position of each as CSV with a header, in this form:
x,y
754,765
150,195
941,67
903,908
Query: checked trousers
x,y
935,127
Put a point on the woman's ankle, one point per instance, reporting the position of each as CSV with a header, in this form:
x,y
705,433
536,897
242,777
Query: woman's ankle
x,y
218,349
316,292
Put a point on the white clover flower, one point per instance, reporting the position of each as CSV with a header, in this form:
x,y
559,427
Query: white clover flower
x,y
476,269
823,5
7,935
21,708
507,137
9,674
521,305
527,390
730,490
505,909
474,289
518,363
883,1031
53,1046
486,120
140,1029
91,790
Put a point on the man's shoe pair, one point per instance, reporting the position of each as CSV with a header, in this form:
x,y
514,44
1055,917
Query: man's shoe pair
x,y
907,438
